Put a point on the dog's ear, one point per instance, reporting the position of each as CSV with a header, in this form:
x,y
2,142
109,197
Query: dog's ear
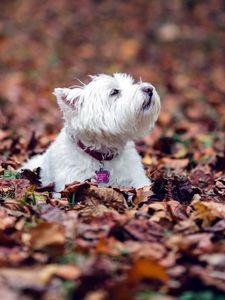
x,y
68,97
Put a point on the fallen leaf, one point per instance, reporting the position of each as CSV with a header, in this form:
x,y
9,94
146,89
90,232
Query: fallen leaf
x,y
46,235
202,177
144,230
174,163
207,211
146,268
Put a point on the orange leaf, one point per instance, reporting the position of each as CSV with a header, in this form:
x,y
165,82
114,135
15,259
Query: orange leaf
x,y
147,268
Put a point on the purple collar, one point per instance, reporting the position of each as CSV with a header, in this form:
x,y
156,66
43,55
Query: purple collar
x,y
96,154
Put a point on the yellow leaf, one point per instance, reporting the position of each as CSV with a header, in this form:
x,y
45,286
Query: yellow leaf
x,y
207,211
147,160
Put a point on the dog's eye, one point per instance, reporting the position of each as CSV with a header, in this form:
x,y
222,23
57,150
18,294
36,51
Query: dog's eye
x,y
114,92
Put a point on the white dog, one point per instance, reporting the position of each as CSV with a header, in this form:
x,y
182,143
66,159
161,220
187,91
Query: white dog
x,y
102,119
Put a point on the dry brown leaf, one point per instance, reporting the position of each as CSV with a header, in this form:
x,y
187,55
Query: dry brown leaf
x,y
6,221
209,276
144,250
67,272
109,246
13,188
174,163
142,195
23,278
187,226
207,211
44,235
202,177
37,278
96,295
6,292
146,268
193,243
103,196
74,187
144,230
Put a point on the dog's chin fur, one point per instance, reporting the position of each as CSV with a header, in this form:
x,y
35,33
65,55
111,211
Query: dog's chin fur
x,y
106,115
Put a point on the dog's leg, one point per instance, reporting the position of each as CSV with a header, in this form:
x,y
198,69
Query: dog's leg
x,y
33,163
141,180
132,168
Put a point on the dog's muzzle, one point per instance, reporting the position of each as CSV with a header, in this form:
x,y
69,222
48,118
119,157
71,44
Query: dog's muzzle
x,y
148,91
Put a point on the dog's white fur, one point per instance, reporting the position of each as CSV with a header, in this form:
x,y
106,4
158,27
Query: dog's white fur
x,y
104,121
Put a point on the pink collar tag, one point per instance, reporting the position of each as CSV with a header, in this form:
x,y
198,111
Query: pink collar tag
x,y
102,176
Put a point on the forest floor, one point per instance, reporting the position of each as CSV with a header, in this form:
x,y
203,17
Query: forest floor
x,y
165,242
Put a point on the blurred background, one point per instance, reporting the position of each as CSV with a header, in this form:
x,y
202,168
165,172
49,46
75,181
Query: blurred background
x,y
179,46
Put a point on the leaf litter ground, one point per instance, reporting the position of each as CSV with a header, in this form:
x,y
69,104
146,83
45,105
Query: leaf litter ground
x,y
95,243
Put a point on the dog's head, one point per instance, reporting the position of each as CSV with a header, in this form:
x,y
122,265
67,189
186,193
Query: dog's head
x,y
109,109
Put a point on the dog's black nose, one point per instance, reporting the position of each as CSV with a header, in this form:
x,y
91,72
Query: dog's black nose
x,y
148,90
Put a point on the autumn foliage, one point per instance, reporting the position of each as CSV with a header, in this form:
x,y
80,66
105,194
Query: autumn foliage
x,y
95,243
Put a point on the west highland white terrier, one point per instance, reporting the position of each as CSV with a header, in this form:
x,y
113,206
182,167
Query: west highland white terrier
x,y
102,119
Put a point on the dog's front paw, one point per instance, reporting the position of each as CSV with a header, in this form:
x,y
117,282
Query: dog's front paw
x,y
142,183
